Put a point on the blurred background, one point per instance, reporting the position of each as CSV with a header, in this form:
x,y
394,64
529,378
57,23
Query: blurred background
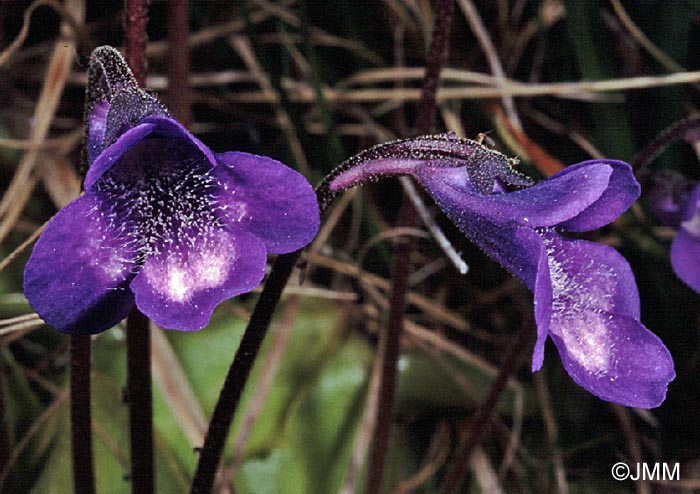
x,y
312,83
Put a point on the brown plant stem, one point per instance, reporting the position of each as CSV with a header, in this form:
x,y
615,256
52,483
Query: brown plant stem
x,y
437,53
178,97
687,128
389,343
5,446
80,415
135,37
230,396
140,399
481,423
138,337
248,349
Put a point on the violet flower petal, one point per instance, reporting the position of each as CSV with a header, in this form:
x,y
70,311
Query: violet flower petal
x,y
179,288
672,197
547,203
621,192
268,199
685,249
543,292
590,275
584,293
685,257
96,126
156,126
106,159
614,357
587,301
153,229
78,274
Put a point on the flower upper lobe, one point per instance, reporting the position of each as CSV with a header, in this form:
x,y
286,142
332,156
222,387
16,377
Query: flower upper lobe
x,y
586,298
167,225
585,295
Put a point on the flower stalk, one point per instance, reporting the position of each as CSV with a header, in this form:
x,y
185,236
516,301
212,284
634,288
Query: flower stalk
x,y
139,396
389,343
237,377
483,419
80,416
178,97
138,338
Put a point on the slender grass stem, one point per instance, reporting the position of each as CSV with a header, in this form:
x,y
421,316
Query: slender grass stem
x,y
80,416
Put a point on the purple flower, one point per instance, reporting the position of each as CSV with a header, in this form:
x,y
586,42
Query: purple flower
x,y
676,202
165,224
585,296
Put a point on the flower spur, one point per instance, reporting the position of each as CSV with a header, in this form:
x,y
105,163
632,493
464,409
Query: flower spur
x,y
585,295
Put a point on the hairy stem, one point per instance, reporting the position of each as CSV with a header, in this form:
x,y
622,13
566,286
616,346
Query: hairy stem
x,y
80,416
390,339
135,37
210,454
140,399
247,352
178,96
437,53
138,337
481,423
679,130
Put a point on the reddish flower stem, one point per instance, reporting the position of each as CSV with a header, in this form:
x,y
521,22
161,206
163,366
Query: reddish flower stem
x,y
390,340
140,399
437,54
244,359
138,338
210,454
178,96
135,37
5,446
80,416
481,423
688,127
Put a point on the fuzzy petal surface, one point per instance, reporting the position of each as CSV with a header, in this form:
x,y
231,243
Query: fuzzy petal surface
x,y
590,275
594,322
685,258
78,274
545,204
622,190
266,198
157,127
614,357
97,122
179,287
543,298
